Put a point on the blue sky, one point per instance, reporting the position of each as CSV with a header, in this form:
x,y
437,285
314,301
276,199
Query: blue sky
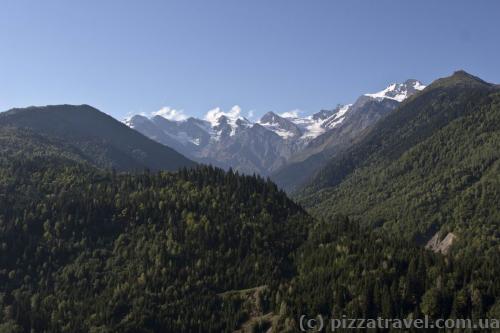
x,y
139,56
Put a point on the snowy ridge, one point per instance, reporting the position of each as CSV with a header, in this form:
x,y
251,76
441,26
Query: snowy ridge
x,y
314,125
222,121
289,126
275,127
398,91
281,126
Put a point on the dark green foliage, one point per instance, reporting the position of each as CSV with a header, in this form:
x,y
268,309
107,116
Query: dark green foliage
x,y
348,269
84,250
433,165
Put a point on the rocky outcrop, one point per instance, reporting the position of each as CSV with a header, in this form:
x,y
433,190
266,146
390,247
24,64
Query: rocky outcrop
x,y
437,245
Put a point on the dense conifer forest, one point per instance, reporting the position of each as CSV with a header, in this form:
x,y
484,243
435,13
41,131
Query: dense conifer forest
x,y
89,250
348,269
430,168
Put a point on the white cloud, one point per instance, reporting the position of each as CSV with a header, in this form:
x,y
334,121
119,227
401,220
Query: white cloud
x,y
171,114
234,112
250,114
213,115
291,114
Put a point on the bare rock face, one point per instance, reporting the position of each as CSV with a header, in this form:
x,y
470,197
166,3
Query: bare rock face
x,y
441,246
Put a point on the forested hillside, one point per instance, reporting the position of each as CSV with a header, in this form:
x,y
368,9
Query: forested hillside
x,y
433,164
97,137
85,250
430,168
348,269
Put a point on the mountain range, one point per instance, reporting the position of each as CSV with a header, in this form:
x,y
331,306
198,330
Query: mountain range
x,y
402,221
275,145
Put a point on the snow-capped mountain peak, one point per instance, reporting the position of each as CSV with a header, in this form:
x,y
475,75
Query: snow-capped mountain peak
x,y
226,122
226,138
305,128
270,117
337,117
290,126
398,91
285,128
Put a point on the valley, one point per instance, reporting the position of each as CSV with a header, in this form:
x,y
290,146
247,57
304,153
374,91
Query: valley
x,y
105,230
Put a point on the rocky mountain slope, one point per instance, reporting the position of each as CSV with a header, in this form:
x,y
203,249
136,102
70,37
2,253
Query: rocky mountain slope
x,y
229,140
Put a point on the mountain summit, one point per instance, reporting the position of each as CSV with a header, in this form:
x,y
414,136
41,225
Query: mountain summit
x,y
399,91
227,139
95,136
439,150
339,129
